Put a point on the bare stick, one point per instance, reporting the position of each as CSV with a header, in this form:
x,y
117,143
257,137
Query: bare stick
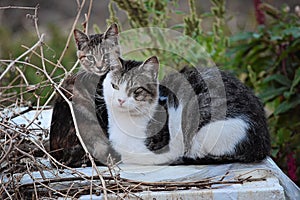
x,y
25,153
53,93
24,63
10,197
69,189
70,34
9,148
80,7
81,174
87,17
23,76
39,42
48,61
17,7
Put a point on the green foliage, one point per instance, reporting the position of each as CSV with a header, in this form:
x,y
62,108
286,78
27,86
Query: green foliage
x,y
136,11
192,22
215,41
272,57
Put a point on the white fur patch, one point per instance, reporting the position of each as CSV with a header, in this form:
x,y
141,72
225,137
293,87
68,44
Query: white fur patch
x,y
176,135
218,138
128,134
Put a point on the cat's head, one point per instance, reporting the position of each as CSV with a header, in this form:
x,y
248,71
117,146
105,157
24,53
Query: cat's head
x,y
132,86
96,52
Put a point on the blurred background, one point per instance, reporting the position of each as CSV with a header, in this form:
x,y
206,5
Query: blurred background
x,y
61,13
258,41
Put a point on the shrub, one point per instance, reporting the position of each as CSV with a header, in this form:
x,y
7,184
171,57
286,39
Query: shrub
x,y
271,58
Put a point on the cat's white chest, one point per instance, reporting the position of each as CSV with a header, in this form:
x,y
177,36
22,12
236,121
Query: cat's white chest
x,y
127,133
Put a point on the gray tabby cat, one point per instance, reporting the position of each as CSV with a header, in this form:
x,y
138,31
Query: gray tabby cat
x,y
94,53
180,119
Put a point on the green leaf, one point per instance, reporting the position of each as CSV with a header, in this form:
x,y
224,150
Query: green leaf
x,y
252,75
255,53
278,78
179,12
293,31
177,26
295,44
271,93
241,36
276,37
274,152
287,105
206,14
287,94
256,35
283,135
296,79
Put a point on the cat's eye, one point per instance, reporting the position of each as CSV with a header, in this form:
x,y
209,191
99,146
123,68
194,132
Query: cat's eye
x,y
90,57
114,86
138,90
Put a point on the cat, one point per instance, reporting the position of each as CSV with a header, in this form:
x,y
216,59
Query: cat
x,y
197,116
93,52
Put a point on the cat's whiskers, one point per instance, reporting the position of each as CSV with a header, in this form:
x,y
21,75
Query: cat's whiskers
x,y
148,114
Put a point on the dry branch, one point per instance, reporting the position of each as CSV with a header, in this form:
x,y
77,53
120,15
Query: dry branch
x,y
38,43
17,7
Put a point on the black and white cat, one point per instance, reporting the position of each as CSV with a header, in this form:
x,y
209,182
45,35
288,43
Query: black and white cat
x,y
176,121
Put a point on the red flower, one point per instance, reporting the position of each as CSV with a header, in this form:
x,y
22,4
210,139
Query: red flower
x,y
260,17
292,167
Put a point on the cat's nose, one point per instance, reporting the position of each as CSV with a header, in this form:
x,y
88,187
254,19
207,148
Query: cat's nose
x,y
121,101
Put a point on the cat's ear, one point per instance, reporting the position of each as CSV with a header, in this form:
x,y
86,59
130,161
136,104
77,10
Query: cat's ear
x,y
80,38
112,32
111,35
151,65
